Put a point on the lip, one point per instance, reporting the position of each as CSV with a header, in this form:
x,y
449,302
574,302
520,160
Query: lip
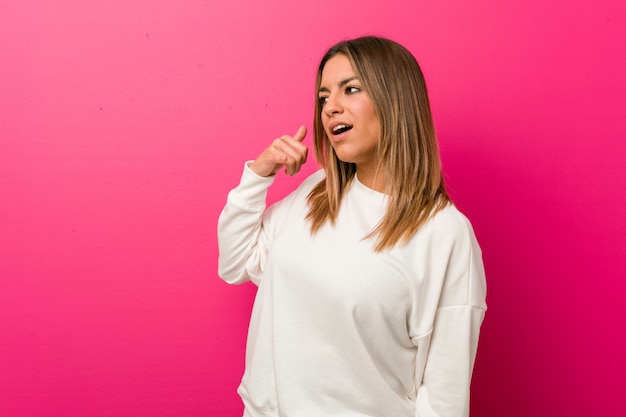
x,y
337,137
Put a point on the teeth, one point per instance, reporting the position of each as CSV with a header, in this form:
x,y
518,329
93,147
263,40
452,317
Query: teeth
x,y
340,128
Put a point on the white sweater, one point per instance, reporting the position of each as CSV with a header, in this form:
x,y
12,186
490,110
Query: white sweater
x,y
338,330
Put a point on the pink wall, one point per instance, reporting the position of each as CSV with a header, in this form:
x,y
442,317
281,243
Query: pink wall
x,y
124,123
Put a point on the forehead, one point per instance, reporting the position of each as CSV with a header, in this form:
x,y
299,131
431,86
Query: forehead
x,y
337,69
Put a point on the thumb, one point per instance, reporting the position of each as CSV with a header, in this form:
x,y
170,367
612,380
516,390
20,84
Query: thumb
x,y
300,134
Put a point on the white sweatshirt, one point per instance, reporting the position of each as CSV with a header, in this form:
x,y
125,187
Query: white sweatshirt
x,y
338,330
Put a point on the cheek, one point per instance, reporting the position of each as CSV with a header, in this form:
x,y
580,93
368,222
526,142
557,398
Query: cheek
x,y
372,120
324,120
366,110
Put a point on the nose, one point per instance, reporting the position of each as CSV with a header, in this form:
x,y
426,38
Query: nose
x,y
333,105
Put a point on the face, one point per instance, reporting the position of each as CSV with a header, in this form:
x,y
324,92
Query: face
x,y
348,116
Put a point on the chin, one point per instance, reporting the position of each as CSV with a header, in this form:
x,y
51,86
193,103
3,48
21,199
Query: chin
x,y
346,159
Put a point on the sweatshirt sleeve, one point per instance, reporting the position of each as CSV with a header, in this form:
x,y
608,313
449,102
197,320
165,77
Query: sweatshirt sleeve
x,y
445,387
449,350
241,235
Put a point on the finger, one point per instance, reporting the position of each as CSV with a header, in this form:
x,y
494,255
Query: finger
x,y
295,152
290,146
271,160
293,166
300,134
287,151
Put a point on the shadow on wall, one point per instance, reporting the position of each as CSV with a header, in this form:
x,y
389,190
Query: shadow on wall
x,y
552,293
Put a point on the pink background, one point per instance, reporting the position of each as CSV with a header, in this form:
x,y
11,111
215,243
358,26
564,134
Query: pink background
x,y
124,123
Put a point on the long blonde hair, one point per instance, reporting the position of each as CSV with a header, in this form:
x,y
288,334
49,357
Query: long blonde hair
x,y
407,150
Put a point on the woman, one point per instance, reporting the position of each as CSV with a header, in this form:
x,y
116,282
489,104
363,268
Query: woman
x,y
371,287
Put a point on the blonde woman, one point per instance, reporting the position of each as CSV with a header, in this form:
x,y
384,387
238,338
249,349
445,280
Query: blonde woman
x,y
371,287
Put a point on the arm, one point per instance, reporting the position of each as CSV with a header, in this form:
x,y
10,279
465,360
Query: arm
x,y
243,224
446,354
242,239
451,350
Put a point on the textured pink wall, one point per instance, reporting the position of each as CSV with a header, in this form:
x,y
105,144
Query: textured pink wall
x,y
124,123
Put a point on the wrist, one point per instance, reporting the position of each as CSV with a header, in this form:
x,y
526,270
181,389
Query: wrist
x,y
258,169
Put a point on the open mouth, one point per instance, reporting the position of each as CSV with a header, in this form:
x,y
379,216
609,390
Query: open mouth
x,y
339,129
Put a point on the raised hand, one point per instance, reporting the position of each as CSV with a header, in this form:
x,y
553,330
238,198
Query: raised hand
x,y
285,151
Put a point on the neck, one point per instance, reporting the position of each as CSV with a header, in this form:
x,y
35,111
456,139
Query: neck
x,y
372,177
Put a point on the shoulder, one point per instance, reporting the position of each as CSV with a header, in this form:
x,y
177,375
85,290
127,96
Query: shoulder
x,y
451,237
298,197
447,236
447,239
311,181
306,186
449,222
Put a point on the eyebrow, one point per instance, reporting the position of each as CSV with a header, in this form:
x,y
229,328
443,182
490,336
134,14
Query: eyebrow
x,y
341,84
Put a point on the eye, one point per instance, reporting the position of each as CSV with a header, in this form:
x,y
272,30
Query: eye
x,y
322,100
352,89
